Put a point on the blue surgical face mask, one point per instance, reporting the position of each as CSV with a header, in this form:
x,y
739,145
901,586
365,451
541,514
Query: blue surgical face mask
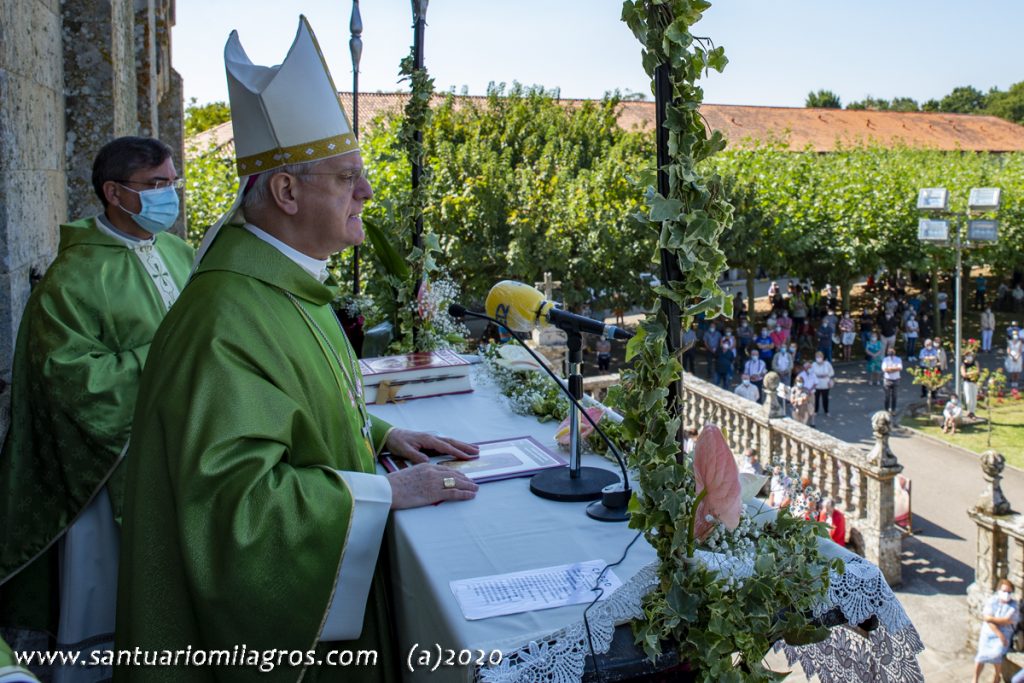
x,y
159,209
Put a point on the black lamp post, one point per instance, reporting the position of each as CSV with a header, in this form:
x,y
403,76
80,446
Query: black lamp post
x,y
419,18
355,46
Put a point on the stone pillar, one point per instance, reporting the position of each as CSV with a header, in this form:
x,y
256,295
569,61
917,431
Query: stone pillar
x,y
159,93
33,200
992,551
883,540
100,88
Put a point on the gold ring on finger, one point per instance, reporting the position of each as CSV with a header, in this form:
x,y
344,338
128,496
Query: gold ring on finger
x,y
449,482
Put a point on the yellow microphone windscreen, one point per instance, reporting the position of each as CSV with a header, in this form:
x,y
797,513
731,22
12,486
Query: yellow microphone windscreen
x,y
517,306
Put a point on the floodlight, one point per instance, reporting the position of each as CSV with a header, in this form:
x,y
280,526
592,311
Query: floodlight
x,y
933,199
984,199
983,230
932,231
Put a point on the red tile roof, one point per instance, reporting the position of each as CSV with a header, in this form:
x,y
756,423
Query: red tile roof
x,y
821,130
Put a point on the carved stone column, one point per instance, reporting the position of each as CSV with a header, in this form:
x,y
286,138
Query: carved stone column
x,y
992,559
773,404
881,427
883,541
992,501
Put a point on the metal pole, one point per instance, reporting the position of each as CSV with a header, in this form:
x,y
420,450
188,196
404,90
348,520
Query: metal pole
x,y
959,336
355,47
419,15
669,264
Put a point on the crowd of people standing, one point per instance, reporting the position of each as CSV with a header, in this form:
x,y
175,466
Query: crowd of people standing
x,y
806,327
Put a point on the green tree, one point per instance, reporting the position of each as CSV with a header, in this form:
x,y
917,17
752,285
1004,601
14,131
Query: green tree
x,y
965,99
823,99
904,104
1007,105
871,103
200,117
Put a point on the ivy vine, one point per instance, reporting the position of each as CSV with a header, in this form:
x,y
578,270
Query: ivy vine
x,y
708,618
410,290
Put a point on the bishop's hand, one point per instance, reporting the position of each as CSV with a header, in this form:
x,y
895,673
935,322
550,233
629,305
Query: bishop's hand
x,y
417,447
427,484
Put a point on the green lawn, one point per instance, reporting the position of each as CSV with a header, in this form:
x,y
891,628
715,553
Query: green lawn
x,y
1007,431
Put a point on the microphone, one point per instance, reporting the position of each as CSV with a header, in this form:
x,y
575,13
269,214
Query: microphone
x,y
520,307
613,505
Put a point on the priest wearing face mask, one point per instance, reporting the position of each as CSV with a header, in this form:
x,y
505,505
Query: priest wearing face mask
x,y
84,338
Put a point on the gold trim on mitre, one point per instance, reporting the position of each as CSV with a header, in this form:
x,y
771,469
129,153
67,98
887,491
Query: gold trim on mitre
x,y
297,154
285,114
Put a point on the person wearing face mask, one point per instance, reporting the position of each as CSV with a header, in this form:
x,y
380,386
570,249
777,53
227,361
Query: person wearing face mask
x,y
764,345
712,340
825,375
782,364
725,362
756,369
874,349
689,342
998,621
83,340
747,390
1014,359
892,366
988,328
969,371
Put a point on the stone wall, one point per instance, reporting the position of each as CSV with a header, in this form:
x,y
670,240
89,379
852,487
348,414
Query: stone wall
x,y
33,192
73,75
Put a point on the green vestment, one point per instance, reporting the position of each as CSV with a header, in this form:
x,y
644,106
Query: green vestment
x,y
9,669
80,350
235,521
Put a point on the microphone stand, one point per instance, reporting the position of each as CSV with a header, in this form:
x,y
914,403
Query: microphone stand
x,y
576,483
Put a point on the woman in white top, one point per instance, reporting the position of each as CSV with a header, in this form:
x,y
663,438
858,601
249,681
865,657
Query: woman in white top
x,y
824,374
910,330
1014,358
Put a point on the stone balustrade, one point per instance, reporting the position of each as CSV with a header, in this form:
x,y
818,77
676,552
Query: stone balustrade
x,y
861,482
1000,549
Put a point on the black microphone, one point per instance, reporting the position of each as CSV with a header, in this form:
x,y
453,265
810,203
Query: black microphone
x,y
561,319
614,498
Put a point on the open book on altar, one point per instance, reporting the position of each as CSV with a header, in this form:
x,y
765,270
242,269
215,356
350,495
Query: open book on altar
x,y
414,375
519,456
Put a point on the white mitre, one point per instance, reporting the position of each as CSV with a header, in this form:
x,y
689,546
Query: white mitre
x,y
284,114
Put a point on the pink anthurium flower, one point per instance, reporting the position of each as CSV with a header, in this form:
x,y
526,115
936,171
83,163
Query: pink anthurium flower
x,y
562,435
718,479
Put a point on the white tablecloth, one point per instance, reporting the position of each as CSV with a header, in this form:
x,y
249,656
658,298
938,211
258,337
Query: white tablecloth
x,y
507,529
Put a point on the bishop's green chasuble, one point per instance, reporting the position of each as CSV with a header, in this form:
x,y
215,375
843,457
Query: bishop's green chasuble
x,y
81,347
235,521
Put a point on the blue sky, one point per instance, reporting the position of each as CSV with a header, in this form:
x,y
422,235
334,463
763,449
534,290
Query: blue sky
x,y
778,51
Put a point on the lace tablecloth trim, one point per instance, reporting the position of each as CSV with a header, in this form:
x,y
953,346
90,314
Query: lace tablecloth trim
x,y
561,657
846,657
888,654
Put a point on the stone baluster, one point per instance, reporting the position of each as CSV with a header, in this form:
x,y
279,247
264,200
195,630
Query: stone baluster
x,y
845,497
993,518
